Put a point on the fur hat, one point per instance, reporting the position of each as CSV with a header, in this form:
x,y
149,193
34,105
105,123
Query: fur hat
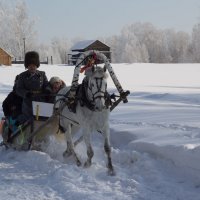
x,y
31,57
54,79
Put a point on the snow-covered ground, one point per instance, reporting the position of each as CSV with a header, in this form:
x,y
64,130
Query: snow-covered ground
x,y
155,141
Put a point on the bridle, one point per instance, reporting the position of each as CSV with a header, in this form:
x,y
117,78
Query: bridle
x,y
100,93
90,95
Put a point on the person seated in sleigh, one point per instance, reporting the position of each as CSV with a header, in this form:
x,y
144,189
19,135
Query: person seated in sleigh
x,y
54,86
31,85
12,108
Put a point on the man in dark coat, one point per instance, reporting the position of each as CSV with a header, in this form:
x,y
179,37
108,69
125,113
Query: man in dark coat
x,y
31,84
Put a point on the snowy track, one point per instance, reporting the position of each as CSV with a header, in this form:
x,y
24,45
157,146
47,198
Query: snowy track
x,y
141,174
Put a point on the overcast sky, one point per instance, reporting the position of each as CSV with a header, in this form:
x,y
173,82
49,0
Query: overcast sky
x,y
90,19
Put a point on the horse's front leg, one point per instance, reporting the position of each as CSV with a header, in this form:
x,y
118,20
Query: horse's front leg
x,y
90,152
107,149
70,145
67,152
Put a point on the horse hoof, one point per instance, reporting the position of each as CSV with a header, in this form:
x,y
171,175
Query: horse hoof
x,y
78,163
67,154
111,172
87,164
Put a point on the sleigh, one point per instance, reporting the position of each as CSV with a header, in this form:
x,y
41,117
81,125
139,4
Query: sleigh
x,y
32,134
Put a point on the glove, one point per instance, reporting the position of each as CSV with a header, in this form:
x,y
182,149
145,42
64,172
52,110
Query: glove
x,y
29,95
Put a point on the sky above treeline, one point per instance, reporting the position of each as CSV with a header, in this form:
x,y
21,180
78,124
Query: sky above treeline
x,y
90,19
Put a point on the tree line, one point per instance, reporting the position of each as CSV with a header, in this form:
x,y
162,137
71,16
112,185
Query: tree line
x,y
137,42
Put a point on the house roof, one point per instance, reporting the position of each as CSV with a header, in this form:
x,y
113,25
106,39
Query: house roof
x,y
82,44
6,52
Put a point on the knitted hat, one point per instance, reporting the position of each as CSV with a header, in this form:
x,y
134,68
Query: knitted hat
x,y
54,79
31,57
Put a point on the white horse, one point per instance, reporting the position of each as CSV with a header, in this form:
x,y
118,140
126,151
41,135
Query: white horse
x,y
92,114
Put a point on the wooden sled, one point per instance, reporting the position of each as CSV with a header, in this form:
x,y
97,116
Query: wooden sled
x,y
35,133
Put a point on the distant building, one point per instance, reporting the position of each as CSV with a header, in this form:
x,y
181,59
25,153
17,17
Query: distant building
x,y
86,45
5,58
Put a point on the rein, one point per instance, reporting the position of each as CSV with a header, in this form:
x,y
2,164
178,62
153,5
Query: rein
x,y
73,121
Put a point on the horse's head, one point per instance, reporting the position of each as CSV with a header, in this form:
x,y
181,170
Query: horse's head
x,y
96,87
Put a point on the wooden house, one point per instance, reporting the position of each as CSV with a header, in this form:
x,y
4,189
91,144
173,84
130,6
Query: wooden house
x,y
5,58
86,45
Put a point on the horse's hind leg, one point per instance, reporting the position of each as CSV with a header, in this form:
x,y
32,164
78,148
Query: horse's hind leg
x,y
70,146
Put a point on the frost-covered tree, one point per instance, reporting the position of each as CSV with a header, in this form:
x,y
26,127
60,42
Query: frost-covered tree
x,y
60,48
195,44
134,50
5,30
154,40
23,29
178,44
16,27
140,43
44,52
116,52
